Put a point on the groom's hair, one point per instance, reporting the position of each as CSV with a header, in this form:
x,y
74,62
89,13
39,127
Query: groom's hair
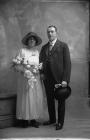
x,y
53,27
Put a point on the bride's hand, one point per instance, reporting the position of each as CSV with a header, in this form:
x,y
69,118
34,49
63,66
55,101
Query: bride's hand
x,y
40,66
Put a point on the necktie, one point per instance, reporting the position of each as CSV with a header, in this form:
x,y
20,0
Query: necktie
x,y
50,46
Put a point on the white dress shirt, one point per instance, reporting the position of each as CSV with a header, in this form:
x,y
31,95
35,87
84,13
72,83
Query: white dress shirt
x,y
52,43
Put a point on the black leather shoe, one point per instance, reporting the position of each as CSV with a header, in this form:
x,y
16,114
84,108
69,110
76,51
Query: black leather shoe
x,y
25,124
18,123
48,123
59,126
34,123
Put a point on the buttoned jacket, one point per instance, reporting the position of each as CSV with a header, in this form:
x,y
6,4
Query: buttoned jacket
x,y
60,62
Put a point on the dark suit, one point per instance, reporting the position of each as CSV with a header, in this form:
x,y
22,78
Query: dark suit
x,y
56,68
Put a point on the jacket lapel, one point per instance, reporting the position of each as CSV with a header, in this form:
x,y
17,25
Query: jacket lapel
x,y
47,49
56,45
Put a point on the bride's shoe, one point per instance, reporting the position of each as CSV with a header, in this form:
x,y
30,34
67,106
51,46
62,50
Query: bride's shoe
x,y
34,123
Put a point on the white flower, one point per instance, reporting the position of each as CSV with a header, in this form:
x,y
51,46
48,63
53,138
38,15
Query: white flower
x,y
16,61
18,58
28,66
25,62
34,70
28,74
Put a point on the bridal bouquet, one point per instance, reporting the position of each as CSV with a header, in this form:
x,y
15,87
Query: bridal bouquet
x,y
30,71
18,63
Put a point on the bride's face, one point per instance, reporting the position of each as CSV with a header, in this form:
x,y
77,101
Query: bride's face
x,y
31,42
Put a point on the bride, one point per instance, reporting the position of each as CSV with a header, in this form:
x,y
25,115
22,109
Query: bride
x,y
29,88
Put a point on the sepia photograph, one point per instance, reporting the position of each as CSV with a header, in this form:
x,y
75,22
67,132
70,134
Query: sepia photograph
x,y
44,70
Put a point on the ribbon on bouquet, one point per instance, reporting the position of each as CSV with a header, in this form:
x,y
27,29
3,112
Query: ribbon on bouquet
x,y
30,77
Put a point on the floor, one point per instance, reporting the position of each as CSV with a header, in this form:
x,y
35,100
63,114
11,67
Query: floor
x,y
73,129
76,126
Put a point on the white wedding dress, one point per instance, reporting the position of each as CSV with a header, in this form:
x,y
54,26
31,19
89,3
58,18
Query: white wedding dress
x,y
29,96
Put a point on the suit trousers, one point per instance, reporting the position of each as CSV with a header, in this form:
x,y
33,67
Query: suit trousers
x,y
49,86
49,83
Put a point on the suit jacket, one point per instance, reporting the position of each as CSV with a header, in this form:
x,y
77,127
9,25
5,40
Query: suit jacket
x,y
60,62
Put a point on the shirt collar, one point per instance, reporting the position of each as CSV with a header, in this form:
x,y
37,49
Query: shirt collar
x,y
53,42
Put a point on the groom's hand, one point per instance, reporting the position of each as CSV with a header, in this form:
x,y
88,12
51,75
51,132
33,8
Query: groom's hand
x,y
57,85
64,84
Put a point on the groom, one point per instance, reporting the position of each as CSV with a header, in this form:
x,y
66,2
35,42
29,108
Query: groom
x,y
56,61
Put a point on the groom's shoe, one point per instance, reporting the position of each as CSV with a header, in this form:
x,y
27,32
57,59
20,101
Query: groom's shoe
x,y
59,126
49,122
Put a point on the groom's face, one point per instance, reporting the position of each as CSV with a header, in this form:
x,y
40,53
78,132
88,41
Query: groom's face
x,y
52,33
